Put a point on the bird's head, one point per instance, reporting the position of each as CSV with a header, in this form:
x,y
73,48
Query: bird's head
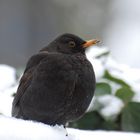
x,y
69,44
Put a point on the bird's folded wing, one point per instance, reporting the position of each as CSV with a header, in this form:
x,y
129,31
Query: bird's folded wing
x,y
27,77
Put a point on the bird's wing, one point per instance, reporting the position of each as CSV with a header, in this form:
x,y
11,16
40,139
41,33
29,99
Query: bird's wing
x,y
26,78
51,88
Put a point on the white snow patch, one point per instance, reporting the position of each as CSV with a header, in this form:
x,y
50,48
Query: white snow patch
x,y
111,106
102,135
91,53
7,77
17,129
5,104
6,100
8,86
96,51
122,71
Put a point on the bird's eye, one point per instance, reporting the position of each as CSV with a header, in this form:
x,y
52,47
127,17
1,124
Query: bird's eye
x,y
72,44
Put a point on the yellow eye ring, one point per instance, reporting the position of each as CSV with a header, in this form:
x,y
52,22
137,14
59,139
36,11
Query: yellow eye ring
x,y
72,44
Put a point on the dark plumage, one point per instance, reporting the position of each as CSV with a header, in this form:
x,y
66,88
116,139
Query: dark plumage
x,y
58,83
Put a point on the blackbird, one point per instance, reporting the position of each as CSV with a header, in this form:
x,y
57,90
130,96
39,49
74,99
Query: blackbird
x,y
58,83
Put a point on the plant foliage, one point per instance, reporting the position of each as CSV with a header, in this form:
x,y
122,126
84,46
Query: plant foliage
x,y
128,119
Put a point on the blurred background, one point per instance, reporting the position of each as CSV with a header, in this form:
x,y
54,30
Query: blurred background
x,y
28,25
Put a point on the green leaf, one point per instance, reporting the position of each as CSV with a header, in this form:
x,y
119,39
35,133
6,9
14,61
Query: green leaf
x,y
102,89
91,120
131,117
125,94
110,125
108,76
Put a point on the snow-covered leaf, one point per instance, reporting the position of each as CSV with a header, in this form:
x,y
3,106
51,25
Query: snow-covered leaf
x,y
108,76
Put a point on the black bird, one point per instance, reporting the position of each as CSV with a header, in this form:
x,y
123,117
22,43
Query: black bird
x,y
58,83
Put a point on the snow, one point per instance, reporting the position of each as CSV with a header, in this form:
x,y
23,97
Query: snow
x,y
112,106
128,74
5,104
91,54
7,76
16,129
8,86
102,135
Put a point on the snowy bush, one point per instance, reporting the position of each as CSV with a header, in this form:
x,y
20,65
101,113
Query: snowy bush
x,y
115,105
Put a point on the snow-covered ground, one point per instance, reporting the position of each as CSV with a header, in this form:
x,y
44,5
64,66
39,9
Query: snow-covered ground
x,y
16,129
